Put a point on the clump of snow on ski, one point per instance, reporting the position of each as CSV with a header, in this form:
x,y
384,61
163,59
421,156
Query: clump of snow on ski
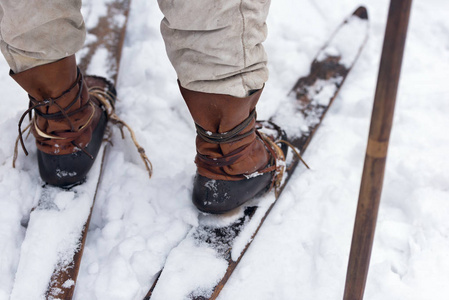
x,y
99,63
102,50
53,234
196,271
353,32
204,266
342,49
246,235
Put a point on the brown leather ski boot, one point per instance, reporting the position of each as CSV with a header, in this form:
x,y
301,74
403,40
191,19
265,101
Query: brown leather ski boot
x,y
68,123
234,161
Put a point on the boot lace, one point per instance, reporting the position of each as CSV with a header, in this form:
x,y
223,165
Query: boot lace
x,y
106,99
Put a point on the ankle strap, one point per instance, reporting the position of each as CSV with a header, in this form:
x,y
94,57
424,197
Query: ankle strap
x,y
63,112
227,137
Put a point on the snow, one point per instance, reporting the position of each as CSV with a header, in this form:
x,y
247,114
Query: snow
x,y
195,278
54,229
302,250
342,43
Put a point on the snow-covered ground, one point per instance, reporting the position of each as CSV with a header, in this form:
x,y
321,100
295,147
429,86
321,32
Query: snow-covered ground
x,y
302,250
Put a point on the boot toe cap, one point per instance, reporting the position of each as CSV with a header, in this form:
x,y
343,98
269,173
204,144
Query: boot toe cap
x,y
221,196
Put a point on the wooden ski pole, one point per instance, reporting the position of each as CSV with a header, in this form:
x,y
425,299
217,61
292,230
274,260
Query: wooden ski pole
x,y
376,153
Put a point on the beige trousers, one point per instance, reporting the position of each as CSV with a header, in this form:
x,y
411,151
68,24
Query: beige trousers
x,y
38,32
215,46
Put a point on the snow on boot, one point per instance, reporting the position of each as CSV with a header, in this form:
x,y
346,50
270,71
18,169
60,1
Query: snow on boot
x,y
68,123
234,161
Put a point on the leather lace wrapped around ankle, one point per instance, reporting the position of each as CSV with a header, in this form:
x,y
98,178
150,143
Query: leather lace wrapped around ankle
x,y
69,129
68,123
277,158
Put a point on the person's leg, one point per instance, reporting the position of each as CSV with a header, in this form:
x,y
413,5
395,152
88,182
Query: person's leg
x,y
38,39
39,32
216,50
216,46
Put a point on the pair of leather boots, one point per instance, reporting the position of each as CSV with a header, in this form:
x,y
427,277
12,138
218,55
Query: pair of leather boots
x,y
235,162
